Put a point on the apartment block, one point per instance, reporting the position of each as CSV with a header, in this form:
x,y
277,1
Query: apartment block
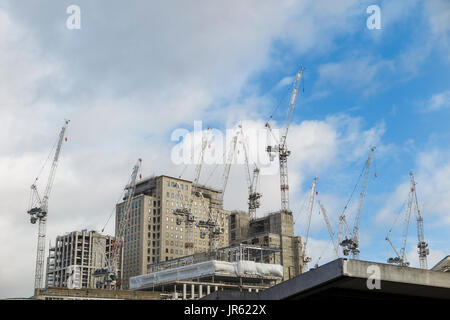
x,y
155,234
75,256
275,230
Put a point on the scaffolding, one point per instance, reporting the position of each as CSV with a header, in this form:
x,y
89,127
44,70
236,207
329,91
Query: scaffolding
x,y
234,253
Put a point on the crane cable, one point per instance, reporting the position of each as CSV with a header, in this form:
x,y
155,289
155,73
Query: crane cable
x,y
323,251
114,208
32,194
397,216
46,160
302,207
353,192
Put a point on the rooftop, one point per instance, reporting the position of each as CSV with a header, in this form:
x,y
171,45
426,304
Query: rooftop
x,y
346,279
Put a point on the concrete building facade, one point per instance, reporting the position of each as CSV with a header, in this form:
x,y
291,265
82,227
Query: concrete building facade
x,y
74,257
275,230
155,234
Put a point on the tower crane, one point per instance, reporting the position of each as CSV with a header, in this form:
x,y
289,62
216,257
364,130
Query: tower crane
x,y
184,213
38,209
400,257
123,224
111,275
282,149
351,243
252,181
253,195
422,246
330,230
305,258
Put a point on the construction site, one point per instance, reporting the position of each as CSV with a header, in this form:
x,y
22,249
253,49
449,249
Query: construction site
x,y
174,240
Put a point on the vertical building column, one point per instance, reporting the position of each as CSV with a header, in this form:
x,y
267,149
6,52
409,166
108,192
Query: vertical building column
x,y
200,291
184,291
175,293
208,289
216,288
192,292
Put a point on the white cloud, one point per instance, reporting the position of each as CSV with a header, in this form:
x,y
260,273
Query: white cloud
x,y
125,84
357,73
438,12
438,101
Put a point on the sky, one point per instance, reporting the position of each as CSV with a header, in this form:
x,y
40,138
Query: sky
x,y
137,72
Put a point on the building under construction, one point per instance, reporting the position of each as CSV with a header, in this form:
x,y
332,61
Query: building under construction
x,y
155,233
275,230
75,256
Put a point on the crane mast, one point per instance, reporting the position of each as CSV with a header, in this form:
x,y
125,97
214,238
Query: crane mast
x,y
352,244
123,223
253,181
282,150
254,196
38,210
422,246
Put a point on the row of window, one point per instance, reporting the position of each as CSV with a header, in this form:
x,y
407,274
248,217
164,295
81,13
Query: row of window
x,y
176,184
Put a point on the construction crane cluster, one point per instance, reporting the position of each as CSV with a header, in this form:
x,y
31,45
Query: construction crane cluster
x,y
347,237
400,257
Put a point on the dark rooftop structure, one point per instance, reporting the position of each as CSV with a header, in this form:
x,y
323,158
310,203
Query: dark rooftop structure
x,y
345,279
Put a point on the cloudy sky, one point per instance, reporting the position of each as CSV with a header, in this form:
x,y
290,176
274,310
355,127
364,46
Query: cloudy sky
x,y
138,70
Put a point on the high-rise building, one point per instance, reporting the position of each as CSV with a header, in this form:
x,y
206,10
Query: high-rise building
x,y
75,256
155,234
